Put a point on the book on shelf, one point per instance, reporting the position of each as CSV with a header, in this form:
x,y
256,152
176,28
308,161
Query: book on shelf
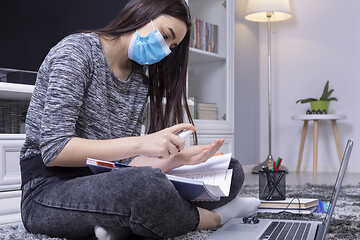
x,y
206,181
207,111
208,115
295,211
204,35
290,203
207,106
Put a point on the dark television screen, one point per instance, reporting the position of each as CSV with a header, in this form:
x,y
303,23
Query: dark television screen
x,y
29,28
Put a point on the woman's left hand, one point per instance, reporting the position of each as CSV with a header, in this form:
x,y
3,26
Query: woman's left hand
x,y
193,155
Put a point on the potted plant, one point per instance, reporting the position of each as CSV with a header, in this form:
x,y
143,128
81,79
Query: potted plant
x,y
320,105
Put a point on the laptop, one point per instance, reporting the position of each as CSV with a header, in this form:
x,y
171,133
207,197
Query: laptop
x,y
286,229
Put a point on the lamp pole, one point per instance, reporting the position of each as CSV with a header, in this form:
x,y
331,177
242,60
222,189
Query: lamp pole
x,y
269,160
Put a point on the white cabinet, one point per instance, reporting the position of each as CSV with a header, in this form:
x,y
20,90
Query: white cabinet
x,y
10,145
10,179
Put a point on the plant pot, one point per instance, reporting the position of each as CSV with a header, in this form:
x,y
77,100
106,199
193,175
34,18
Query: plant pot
x,y
320,105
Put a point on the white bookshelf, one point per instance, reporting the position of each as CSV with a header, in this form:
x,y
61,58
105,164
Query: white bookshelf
x,y
211,75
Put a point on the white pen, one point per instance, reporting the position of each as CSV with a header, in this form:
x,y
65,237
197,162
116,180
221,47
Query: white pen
x,y
185,133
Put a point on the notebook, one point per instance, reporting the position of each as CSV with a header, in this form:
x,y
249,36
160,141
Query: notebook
x,y
286,229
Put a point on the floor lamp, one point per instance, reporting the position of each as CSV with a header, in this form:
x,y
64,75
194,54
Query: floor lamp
x,y
268,11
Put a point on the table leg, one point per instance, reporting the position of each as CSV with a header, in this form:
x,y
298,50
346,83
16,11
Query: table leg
x,y
303,135
336,134
316,125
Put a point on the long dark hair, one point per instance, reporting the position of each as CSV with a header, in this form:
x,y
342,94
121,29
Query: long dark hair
x,y
167,77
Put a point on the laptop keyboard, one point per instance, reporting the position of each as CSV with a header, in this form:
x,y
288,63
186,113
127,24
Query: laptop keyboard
x,y
286,230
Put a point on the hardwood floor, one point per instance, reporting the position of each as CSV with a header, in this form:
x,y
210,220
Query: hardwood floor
x,y
293,178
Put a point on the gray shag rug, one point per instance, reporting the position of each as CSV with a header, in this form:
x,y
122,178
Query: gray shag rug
x,y
345,223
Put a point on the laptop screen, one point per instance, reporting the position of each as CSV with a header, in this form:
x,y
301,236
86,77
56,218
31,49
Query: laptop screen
x,y
336,189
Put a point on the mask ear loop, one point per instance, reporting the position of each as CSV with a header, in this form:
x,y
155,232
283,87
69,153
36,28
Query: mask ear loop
x,y
152,24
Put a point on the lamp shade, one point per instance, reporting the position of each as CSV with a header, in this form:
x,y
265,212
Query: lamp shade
x,y
259,10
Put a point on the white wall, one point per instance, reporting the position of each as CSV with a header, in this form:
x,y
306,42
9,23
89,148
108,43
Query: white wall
x,y
246,71
319,43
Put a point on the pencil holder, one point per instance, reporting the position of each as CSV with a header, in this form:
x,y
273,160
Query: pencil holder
x,y
272,185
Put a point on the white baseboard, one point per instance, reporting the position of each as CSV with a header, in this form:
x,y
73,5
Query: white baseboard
x,y
10,207
350,169
10,219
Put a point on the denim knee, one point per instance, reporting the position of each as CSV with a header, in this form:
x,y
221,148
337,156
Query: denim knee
x,y
238,177
237,181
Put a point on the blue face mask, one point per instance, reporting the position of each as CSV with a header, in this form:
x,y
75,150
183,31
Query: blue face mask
x,y
148,50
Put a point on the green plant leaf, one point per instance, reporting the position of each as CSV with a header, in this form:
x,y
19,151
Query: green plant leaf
x,y
328,94
325,93
306,100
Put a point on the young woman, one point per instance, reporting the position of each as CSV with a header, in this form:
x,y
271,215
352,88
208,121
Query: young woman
x,y
89,101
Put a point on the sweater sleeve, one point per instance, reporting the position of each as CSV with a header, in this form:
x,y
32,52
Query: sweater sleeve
x,y
68,74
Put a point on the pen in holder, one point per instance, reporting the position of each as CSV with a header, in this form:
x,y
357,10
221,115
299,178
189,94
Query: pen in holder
x,y
271,184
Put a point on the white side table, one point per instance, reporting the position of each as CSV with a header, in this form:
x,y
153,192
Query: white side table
x,y
316,118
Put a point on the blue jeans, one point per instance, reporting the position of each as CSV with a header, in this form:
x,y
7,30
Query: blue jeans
x,y
69,202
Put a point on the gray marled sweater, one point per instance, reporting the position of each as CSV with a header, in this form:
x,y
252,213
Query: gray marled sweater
x,y
77,95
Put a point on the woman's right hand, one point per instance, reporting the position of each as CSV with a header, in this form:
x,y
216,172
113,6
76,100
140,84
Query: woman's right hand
x,y
164,143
